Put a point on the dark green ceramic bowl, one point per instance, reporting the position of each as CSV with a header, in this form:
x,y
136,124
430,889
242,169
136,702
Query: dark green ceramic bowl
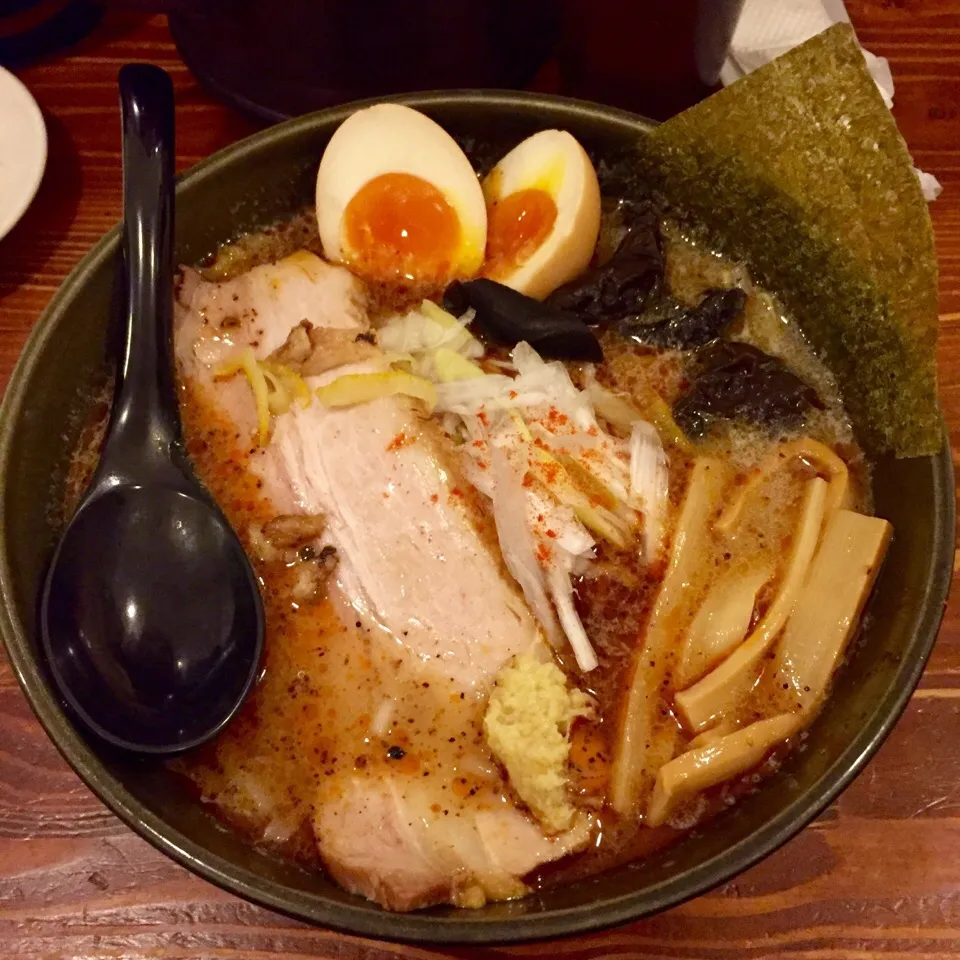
x,y
255,183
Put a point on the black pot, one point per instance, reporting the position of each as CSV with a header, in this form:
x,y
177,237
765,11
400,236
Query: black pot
x,y
276,61
32,28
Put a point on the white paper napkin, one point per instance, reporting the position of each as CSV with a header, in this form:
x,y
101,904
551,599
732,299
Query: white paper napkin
x,y
768,28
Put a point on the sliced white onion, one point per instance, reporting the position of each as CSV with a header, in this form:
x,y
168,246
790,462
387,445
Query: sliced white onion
x,y
574,443
450,423
649,484
416,332
554,380
514,509
571,537
562,591
517,543
470,397
538,384
526,359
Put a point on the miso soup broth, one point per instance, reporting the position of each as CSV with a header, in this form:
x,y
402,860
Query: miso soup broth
x,y
530,613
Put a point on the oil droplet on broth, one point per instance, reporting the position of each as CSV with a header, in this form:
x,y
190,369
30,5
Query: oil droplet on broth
x,y
399,225
517,225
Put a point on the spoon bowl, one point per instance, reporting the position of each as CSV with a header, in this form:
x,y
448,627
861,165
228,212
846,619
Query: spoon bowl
x,y
150,618
141,568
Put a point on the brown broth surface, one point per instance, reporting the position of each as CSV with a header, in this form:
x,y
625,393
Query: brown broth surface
x,y
311,715
323,685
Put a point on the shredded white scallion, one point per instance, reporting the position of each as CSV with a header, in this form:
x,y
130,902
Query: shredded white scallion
x,y
537,384
649,484
561,589
423,330
517,542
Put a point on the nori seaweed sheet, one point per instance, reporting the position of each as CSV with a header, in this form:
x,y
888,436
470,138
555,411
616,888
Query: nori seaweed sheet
x,y
799,170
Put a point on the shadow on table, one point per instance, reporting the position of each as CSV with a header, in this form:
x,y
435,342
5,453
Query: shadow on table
x,y
31,245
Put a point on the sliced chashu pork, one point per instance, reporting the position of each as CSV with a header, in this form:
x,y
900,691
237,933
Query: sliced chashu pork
x,y
411,553
386,839
412,557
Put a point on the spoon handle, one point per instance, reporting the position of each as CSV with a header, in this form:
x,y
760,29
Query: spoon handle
x,y
146,424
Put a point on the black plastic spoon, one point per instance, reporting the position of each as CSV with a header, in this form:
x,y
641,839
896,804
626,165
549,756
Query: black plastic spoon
x,y
150,618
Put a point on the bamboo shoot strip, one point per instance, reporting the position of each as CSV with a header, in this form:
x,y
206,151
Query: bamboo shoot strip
x,y
647,731
721,623
712,735
719,760
720,692
829,605
813,452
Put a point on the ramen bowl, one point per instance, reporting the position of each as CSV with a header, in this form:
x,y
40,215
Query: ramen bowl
x,y
257,182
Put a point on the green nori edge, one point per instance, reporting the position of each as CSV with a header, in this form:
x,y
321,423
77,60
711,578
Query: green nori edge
x,y
800,171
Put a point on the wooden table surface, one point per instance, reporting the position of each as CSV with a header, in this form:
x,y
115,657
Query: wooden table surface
x,y
878,875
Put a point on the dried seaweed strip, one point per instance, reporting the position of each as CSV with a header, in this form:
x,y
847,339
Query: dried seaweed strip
x,y
799,169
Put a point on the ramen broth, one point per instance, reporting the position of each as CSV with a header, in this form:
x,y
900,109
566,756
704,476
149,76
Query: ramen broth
x,y
329,699
317,709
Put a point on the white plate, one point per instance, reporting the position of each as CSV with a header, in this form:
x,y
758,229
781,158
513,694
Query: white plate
x,y
23,150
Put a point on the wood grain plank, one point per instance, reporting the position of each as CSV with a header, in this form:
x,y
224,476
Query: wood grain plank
x,y
877,876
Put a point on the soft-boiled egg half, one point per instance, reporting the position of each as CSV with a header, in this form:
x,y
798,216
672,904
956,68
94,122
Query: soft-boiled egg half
x,y
397,199
543,214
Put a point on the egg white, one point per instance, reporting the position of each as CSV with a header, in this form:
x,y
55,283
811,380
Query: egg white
x,y
390,138
555,162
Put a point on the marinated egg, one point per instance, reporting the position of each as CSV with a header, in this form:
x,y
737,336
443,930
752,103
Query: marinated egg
x,y
397,199
543,214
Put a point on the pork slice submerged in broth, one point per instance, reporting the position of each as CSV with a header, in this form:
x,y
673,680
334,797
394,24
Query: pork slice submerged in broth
x,y
424,603
527,618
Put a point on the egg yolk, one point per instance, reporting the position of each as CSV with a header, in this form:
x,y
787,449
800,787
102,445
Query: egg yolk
x,y
516,226
399,225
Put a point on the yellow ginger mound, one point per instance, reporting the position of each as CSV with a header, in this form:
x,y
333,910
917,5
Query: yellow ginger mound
x,y
527,725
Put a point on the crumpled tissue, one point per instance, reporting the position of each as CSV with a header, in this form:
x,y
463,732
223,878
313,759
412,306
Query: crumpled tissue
x,y
768,28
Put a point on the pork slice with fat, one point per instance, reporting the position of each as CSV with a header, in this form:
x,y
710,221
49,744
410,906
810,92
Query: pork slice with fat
x,y
413,553
416,560
388,839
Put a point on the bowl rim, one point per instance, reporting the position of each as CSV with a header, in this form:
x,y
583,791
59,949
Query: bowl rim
x,y
361,917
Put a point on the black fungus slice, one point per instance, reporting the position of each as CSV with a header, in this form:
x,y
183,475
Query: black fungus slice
x,y
685,328
736,381
627,282
506,316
